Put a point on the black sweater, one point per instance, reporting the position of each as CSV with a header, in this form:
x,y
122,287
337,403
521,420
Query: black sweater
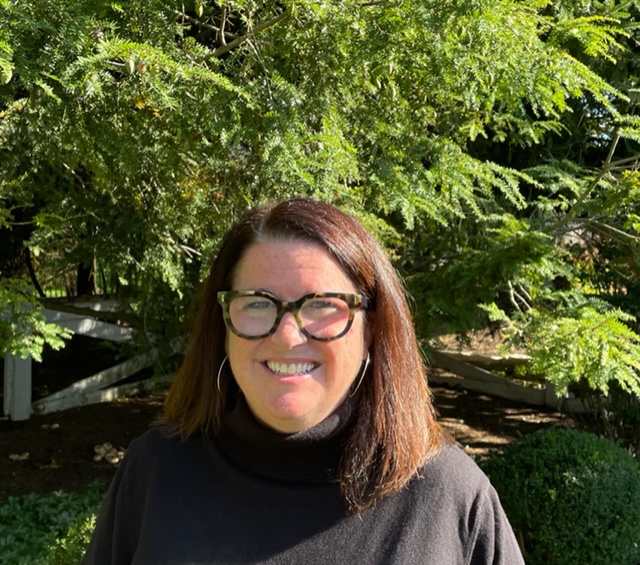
x,y
255,496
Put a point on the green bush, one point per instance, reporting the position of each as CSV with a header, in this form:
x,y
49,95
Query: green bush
x,y
70,547
571,498
48,530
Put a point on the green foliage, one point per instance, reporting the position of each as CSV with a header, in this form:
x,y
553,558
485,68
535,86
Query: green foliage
x,y
500,259
23,329
71,547
48,530
586,343
571,497
574,341
491,145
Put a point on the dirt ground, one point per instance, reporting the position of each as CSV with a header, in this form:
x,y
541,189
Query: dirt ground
x,y
58,451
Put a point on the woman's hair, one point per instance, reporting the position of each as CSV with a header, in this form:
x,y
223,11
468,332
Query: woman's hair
x,y
395,431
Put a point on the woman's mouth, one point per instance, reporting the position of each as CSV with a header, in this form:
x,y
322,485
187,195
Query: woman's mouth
x,y
290,369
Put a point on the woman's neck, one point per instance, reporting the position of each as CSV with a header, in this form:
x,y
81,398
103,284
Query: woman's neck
x,y
312,454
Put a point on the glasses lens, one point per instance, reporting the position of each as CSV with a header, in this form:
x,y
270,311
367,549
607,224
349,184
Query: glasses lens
x,y
252,315
324,317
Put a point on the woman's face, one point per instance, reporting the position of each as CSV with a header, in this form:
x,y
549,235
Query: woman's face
x,y
293,382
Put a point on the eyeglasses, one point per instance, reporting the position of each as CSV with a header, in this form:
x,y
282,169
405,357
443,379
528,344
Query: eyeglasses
x,y
324,316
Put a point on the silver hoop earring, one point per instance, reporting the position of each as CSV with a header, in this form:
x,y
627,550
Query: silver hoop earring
x,y
364,370
220,371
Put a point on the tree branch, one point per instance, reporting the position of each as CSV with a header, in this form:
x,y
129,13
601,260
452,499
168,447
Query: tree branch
x,y
205,25
32,273
623,163
512,297
585,193
223,22
240,40
604,228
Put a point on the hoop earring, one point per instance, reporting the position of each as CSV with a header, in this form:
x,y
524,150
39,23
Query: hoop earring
x,y
366,366
220,371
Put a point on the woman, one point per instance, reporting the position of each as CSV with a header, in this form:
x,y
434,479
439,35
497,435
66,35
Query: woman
x,y
300,428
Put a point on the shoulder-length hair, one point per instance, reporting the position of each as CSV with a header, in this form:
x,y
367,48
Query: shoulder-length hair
x,y
395,432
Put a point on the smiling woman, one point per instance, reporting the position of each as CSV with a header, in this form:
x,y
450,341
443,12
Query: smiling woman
x,y
300,427
294,400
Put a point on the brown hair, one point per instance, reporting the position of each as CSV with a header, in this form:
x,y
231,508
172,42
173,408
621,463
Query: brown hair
x,y
395,432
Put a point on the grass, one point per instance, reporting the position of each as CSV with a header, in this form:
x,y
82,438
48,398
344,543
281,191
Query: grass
x,y
48,530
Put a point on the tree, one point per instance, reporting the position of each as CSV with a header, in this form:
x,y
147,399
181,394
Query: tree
x,y
489,143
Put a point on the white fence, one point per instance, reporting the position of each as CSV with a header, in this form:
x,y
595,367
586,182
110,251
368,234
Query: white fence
x,y
91,390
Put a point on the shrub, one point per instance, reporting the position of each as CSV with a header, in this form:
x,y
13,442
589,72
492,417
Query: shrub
x,y
47,530
571,497
71,547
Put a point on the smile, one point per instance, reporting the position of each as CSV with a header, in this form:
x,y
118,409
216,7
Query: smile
x,y
291,368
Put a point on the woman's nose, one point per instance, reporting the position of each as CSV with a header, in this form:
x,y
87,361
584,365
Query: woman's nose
x,y
288,332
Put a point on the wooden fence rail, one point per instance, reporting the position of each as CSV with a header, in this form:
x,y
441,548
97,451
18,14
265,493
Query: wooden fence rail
x,y
93,389
472,377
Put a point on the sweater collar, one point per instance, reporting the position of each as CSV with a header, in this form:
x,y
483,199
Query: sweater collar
x,y
313,454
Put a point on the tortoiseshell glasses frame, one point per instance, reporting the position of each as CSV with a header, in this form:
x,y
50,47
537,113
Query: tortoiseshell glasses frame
x,y
323,316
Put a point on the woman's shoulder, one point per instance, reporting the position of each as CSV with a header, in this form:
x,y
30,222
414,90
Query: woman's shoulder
x,y
159,445
451,467
155,438
451,495
452,457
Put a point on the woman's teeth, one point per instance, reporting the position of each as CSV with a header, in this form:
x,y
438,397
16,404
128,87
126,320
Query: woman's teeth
x,y
291,368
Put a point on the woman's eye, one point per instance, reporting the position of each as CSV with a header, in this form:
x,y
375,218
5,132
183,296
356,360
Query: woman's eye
x,y
320,304
258,305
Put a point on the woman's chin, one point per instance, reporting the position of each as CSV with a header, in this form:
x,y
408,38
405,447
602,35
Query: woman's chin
x,y
288,413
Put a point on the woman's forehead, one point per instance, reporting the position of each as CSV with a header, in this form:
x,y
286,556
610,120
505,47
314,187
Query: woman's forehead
x,y
291,265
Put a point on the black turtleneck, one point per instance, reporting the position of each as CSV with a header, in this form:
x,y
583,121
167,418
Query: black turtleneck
x,y
252,495
310,455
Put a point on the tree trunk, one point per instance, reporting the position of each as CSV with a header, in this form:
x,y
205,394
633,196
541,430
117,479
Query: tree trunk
x,y
86,279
